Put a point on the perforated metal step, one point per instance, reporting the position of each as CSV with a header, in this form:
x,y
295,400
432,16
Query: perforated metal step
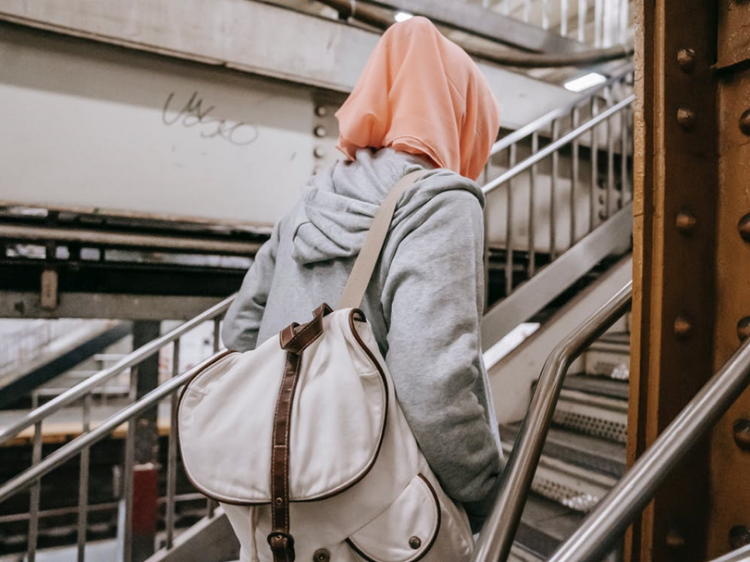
x,y
609,357
592,415
584,451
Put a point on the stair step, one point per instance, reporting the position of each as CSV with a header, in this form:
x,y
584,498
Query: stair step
x,y
584,451
600,416
569,485
544,526
599,386
609,357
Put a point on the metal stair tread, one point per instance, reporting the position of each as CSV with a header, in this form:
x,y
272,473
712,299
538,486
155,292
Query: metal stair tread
x,y
600,386
585,451
544,525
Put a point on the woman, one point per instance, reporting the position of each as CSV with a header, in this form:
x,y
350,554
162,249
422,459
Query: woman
x,y
420,104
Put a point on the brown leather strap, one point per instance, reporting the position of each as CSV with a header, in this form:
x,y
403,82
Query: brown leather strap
x,y
294,340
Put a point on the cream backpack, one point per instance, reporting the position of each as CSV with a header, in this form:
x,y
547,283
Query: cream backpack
x,y
303,443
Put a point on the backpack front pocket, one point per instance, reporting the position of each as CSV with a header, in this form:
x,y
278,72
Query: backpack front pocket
x,y
405,531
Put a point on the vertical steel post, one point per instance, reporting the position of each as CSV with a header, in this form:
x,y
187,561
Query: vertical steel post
x,y
674,254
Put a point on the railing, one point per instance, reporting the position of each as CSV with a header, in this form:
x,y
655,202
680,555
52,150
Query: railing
x,y
635,490
26,345
79,448
523,227
600,23
499,530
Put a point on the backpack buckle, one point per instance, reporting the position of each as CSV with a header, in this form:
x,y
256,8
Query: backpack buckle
x,y
282,546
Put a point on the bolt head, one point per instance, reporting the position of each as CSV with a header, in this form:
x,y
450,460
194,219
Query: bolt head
x,y
739,536
743,328
682,326
686,118
674,539
686,221
741,432
686,60
745,122
415,543
744,227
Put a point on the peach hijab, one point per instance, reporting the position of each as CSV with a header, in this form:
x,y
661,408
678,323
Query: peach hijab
x,y
422,94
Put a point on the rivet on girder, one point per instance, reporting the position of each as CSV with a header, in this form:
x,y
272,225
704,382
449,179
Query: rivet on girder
x,y
686,60
686,221
744,227
319,152
741,431
321,111
739,536
682,325
686,118
674,539
745,122
743,328
320,131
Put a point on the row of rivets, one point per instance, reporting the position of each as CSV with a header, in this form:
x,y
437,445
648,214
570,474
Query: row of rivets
x,y
685,223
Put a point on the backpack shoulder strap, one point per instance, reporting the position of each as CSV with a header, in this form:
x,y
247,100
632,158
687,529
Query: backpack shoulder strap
x,y
363,268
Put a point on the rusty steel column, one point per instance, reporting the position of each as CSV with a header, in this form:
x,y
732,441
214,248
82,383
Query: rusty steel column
x,y
729,519
674,256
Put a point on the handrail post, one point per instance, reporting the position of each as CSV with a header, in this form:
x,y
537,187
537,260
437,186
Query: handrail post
x,y
496,539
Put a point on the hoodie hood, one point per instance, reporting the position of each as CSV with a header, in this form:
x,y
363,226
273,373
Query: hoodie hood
x,y
339,203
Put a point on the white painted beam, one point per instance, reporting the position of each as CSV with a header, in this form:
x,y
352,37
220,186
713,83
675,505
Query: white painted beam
x,y
258,38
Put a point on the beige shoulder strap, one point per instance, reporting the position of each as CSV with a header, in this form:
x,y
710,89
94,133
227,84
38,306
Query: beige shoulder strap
x,y
361,274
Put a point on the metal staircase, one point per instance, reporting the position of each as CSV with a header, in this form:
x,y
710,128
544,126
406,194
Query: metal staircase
x,y
578,160
584,454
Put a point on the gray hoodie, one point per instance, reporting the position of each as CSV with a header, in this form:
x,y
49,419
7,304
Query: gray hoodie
x,y
424,302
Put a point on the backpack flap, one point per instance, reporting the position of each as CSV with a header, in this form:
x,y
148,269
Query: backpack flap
x,y
405,531
226,417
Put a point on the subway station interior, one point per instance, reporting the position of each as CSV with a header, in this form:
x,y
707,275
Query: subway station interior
x,y
148,148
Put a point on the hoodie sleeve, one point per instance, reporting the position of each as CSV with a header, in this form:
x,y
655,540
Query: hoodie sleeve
x,y
242,321
433,302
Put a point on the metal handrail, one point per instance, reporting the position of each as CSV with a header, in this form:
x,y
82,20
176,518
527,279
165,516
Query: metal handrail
x,y
563,111
105,375
499,531
551,148
635,490
82,442
740,555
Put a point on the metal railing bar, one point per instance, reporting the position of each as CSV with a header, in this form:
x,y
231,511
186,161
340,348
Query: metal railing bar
x,y
532,207
635,490
740,555
594,164
172,452
83,483
512,155
553,193
547,118
574,179
68,451
500,528
105,375
557,145
35,495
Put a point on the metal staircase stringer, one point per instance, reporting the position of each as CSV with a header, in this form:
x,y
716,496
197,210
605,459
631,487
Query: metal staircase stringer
x,y
512,377
534,295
